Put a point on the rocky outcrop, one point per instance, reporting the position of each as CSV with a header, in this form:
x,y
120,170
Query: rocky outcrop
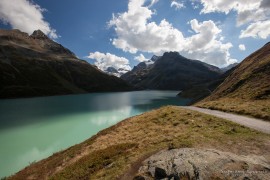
x,y
190,163
38,34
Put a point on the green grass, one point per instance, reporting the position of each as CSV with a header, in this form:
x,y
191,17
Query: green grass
x,y
86,167
255,108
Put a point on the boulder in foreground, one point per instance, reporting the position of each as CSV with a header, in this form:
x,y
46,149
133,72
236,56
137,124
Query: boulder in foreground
x,y
191,163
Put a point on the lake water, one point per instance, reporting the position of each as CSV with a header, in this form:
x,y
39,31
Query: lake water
x,y
33,129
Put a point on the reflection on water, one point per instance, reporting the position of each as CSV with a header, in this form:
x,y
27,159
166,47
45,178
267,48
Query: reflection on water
x,y
35,128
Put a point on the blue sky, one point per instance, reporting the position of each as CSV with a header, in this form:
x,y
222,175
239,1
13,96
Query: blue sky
x,y
122,33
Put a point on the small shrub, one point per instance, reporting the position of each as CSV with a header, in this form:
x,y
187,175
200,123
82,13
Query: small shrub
x,y
171,146
186,122
185,144
164,115
175,123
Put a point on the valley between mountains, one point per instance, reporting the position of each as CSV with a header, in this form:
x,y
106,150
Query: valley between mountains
x,y
166,143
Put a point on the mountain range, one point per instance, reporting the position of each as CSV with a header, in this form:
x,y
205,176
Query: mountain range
x,y
116,72
38,66
229,67
35,65
171,72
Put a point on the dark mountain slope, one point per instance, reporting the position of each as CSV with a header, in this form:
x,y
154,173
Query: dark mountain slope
x,y
139,72
247,89
37,66
250,80
172,72
200,91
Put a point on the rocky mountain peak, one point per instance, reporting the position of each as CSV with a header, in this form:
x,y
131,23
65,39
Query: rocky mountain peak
x,y
11,35
111,70
171,72
50,45
38,41
172,55
141,65
116,72
154,58
38,34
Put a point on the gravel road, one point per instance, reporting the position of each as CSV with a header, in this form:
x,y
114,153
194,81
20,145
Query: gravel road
x,y
250,122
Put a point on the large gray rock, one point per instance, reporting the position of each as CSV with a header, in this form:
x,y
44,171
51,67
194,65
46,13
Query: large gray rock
x,y
189,163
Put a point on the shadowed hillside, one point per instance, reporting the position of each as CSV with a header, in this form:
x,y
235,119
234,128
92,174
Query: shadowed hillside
x,y
37,66
247,89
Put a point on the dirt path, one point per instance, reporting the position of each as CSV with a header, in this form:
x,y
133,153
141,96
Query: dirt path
x,y
250,122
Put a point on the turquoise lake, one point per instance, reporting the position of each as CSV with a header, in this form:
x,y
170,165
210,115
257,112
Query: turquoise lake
x,y
34,128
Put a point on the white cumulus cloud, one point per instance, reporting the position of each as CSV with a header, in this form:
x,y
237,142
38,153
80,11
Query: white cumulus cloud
x,y
136,32
228,5
248,16
177,5
140,58
103,61
153,2
206,45
258,29
251,12
206,34
242,47
26,16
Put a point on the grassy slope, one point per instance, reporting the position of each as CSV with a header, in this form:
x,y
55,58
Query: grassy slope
x,y
116,150
247,89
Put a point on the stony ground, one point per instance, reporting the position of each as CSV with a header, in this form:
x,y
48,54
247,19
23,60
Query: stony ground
x,y
193,163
